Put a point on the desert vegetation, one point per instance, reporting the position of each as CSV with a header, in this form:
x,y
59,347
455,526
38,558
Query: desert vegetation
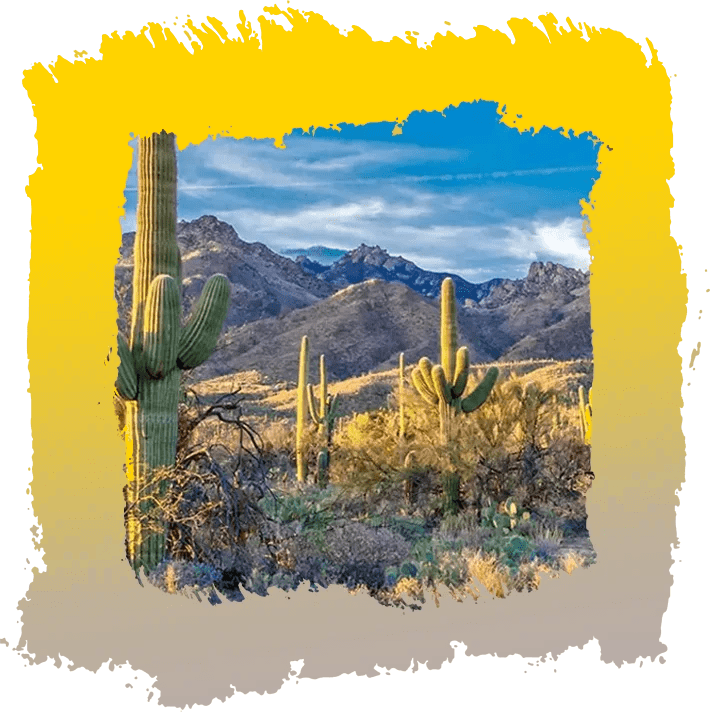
x,y
290,487
405,483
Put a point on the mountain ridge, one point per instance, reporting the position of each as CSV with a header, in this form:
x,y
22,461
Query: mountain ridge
x,y
362,322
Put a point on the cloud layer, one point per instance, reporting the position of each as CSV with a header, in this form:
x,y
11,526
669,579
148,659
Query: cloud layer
x,y
454,192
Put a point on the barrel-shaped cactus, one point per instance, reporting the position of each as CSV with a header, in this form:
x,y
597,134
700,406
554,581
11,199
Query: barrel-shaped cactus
x,y
150,361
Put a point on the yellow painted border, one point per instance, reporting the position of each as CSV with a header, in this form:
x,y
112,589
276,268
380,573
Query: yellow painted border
x,y
86,606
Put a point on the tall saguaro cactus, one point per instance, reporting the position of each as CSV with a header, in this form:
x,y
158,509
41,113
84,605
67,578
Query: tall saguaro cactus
x,y
402,421
149,371
443,385
301,412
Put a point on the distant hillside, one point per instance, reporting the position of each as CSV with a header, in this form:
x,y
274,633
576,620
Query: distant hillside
x,y
359,329
264,284
384,305
365,326
545,315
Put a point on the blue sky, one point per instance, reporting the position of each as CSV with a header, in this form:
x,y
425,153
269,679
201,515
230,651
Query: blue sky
x,y
456,191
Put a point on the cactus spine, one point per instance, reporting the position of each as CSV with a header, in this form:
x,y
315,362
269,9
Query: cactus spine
x,y
585,416
443,385
149,371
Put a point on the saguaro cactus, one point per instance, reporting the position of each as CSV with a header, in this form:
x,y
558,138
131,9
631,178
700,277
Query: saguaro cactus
x,y
443,385
402,421
150,362
324,417
301,408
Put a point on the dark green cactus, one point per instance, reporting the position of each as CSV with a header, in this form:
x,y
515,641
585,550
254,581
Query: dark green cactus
x,y
149,371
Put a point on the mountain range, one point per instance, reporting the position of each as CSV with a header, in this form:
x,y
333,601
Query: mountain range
x,y
365,308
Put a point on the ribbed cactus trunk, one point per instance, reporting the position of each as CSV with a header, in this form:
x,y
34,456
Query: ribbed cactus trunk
x,y
402,422
148,374
449,336
301,412
323,409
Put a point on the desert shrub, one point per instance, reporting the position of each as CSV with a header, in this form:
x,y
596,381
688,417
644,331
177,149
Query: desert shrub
x,y
208,501
515,445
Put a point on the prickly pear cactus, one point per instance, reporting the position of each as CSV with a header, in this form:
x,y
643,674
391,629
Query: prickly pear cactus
x,y
150,361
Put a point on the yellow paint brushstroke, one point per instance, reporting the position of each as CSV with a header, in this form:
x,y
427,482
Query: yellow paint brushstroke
x,y
230,82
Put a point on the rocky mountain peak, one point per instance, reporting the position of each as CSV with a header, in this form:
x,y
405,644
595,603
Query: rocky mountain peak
x,y
206,229
552,273
373,256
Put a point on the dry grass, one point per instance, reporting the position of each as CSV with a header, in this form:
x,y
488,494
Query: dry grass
x,y
374,390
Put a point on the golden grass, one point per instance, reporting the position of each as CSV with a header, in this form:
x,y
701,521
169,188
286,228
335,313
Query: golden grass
x,y
373,390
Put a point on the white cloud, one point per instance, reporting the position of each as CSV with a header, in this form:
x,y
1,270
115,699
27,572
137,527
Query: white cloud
x,y
304,161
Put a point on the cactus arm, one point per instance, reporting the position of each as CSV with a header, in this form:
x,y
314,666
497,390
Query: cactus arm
x,y
126,380
478,396
425,366
333,408
312,405
423,388
463,363
161,326
449,336
441,385
199,336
